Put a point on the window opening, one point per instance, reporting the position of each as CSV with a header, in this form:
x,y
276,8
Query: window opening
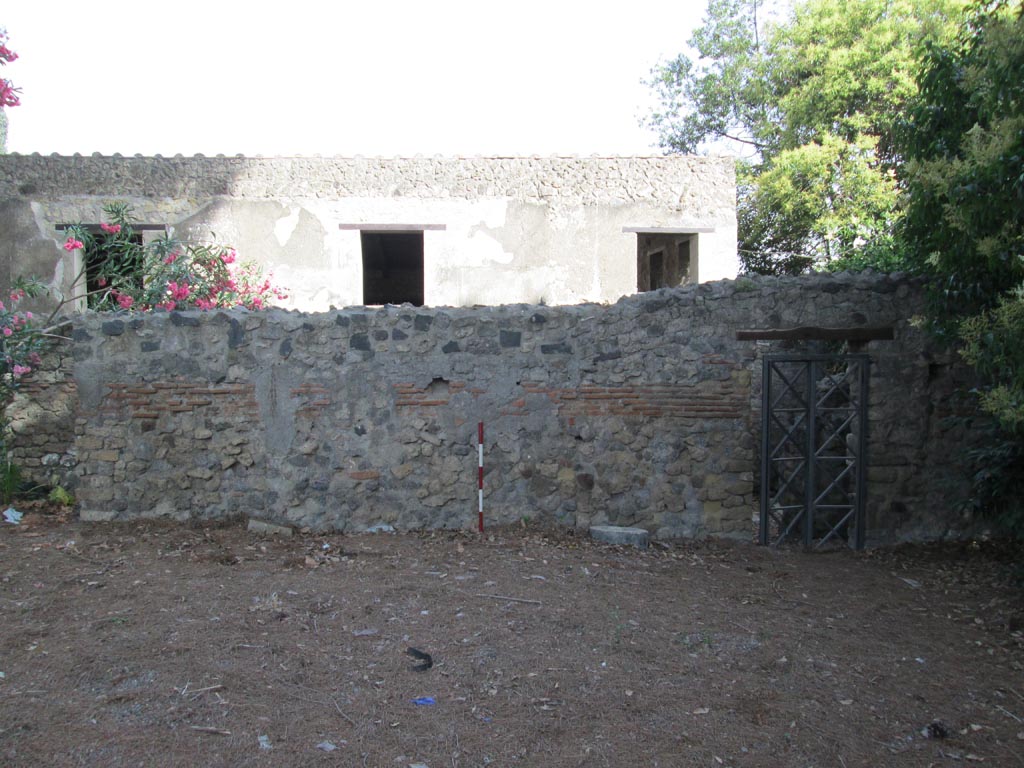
x,y
104,264
101,261
392,267
663,261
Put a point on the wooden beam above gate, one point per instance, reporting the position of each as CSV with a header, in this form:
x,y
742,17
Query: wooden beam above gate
x,y
818,333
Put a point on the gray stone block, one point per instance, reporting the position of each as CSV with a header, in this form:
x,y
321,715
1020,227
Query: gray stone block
x,y
617,534
271,529
96,515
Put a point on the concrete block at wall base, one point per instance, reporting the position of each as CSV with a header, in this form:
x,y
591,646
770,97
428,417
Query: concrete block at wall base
x,y
270,529
96,515
617,534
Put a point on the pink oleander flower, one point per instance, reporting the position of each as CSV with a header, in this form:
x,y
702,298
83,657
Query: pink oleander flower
x,y
229,257
21,370
8,331
205,304
171,258
178,292
257,302
111,229
8,94
102,282
73,245
28,315
125,301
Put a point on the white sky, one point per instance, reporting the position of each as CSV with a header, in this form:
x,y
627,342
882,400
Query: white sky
x,y
391,77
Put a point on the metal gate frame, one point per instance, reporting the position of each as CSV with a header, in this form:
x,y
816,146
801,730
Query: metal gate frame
x,y
799,434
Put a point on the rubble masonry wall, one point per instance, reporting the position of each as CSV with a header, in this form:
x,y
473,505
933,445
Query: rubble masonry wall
x,y
645,412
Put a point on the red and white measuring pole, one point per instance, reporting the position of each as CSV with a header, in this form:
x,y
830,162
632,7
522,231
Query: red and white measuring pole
x,y
480,478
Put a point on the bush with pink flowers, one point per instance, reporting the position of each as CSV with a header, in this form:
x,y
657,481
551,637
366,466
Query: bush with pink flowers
x,y
120,272
8,93
124,273
20,346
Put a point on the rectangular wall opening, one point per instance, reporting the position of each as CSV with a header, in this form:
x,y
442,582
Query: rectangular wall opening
x,y
106,264
102,263
392,267
664,261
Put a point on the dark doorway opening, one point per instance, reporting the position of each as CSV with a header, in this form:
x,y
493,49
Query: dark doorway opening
x,y
392,267
663,261
657,261
814,422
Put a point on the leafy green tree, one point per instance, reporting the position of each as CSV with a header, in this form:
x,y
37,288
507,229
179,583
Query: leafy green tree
x,y
963,150
809,97
818,203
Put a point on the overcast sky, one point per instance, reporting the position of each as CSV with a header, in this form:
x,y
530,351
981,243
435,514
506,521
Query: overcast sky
x,y
374,78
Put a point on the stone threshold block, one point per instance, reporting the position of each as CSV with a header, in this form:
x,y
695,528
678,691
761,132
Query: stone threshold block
x,y
270,529
617,534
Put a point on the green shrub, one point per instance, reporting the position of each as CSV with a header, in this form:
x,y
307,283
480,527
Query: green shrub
x,y
10,481
60,496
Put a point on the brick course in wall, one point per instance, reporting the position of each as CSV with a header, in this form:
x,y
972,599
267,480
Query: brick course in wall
x,y
645,412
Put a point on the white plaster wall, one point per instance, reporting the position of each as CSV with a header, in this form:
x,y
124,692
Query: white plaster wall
x,y
717,257
515,229
493,252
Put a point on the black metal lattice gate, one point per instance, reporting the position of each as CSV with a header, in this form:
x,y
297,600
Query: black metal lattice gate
x,y
813,452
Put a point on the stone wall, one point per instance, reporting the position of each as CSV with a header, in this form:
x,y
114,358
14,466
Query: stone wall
x,y
42,421
645,412
495,230
678,182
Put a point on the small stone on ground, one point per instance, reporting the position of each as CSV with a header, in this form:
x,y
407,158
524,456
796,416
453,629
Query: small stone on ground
x,y
617,534
273,529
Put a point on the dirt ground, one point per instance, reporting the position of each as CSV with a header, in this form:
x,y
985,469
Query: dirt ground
x,y
163,645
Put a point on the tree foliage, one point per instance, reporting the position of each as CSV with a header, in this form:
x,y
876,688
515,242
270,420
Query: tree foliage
x,y
811,96
962,144
818,203
963,151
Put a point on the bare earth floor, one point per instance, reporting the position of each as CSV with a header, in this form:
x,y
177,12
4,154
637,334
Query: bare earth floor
x,y
162,645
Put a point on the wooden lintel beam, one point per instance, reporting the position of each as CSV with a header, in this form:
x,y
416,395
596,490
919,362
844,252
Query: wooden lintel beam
x,y
394,227
95,228
817,333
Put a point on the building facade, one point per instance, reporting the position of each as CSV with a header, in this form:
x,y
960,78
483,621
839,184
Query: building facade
x,y
368,231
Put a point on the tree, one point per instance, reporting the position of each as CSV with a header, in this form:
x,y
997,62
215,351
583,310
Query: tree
x,y
963,150
8,93
819,203
810,98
